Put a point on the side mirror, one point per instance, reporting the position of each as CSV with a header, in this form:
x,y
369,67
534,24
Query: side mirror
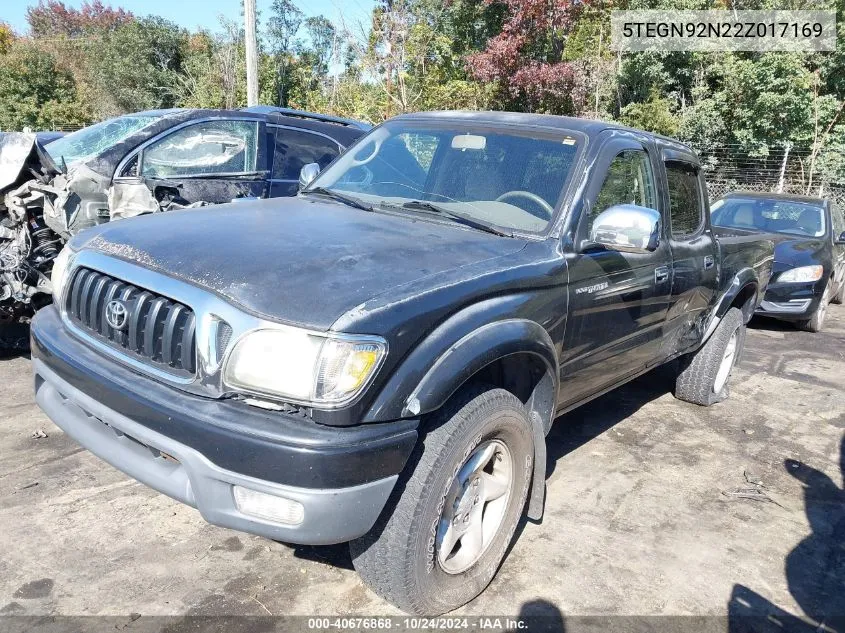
x,y
307,174
841,238
628,228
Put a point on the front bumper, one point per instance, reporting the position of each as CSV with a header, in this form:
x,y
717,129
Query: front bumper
x,y
196,450
791,301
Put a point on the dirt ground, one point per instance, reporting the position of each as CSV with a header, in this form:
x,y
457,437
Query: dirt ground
x,y
654,507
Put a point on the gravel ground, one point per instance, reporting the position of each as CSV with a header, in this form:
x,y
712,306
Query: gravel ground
x,y
654,507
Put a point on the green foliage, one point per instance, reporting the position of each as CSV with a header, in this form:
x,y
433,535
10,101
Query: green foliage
x,y
135,66
654,115
35,92
89,61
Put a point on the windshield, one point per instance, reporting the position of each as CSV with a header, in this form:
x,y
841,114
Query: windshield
x,y
771,216
509,179
93,139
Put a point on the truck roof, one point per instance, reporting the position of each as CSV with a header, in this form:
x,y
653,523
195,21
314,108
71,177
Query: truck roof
x,y
589,127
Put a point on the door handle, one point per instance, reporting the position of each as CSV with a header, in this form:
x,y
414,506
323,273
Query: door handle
x,y
709,261
661,274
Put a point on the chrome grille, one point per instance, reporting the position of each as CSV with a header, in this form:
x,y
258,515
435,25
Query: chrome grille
x,y
156,330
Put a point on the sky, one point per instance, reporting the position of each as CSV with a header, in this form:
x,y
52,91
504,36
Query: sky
x,y
193,14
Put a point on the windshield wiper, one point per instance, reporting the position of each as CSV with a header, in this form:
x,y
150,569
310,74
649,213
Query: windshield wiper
x,y
334,195
457,217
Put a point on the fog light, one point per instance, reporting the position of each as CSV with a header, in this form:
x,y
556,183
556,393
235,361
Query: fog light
x,y
269,507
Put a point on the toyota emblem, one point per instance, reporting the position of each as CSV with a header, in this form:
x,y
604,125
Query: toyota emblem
x,y
117,316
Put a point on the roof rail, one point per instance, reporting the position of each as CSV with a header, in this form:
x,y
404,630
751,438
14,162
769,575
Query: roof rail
x,y
302,114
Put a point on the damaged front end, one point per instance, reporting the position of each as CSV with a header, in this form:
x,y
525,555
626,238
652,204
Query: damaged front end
x,y
28,242
42,205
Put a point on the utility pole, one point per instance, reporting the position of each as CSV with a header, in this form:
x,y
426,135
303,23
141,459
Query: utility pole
x,y
251,54
783,167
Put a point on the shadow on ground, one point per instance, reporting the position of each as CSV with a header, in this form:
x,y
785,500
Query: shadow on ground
x,y
14,340
574,429
815,568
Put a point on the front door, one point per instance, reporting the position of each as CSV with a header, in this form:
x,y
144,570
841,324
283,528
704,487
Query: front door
x,y
618,301
214,161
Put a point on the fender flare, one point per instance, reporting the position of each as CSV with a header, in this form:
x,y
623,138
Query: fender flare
x,y
473,352
743,279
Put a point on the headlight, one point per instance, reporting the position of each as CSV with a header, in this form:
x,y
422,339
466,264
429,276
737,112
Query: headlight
x,y
804,274
59,276
304,367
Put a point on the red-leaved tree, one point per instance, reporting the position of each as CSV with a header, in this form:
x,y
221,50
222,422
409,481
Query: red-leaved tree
x,y
526,58
51,18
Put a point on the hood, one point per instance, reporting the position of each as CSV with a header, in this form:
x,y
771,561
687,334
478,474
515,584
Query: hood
x,y
295,260
792,252
19,153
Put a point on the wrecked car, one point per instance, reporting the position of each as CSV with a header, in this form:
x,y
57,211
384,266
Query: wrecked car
x,y
142,163
380,359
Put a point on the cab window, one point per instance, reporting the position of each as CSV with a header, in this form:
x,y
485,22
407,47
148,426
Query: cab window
x,y
686,199
629,180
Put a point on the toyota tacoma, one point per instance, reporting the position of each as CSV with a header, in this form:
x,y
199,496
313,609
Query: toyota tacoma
x,y
379,360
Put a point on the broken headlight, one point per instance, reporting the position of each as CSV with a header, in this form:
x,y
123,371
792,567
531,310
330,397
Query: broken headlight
x,y
60,276
287,363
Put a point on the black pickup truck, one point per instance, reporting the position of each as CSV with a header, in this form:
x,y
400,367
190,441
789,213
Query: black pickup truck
x,y
380,359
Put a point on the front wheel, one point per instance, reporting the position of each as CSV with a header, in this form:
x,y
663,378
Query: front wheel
x,y
704,374
449,523
816,322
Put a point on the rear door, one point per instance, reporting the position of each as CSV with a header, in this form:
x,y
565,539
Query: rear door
x,y
295,148
618,301
694,251
215,160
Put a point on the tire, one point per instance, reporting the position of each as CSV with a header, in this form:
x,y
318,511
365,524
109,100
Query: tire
x,y
839,297
699,380
816,322
400,558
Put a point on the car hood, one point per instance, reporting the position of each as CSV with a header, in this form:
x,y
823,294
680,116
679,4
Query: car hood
x,y
791,252
297,260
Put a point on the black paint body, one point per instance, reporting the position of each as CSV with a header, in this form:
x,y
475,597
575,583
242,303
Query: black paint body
x,y
275,129
450,301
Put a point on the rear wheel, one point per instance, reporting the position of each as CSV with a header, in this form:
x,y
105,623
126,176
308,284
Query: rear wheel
x,y
816,322
451,519
704,374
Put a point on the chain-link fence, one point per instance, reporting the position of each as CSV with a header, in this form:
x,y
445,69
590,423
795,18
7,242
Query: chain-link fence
x,y
730,169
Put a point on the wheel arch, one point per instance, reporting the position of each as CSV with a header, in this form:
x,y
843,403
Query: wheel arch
x,y
743,292
517,355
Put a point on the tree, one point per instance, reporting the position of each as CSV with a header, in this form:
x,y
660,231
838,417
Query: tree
x,y
322,35
135,67
526,59
51,18
35,92
7,36
282,27
654,115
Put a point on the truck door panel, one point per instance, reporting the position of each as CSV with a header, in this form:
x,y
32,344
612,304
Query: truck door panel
x,y
618,300
694,252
